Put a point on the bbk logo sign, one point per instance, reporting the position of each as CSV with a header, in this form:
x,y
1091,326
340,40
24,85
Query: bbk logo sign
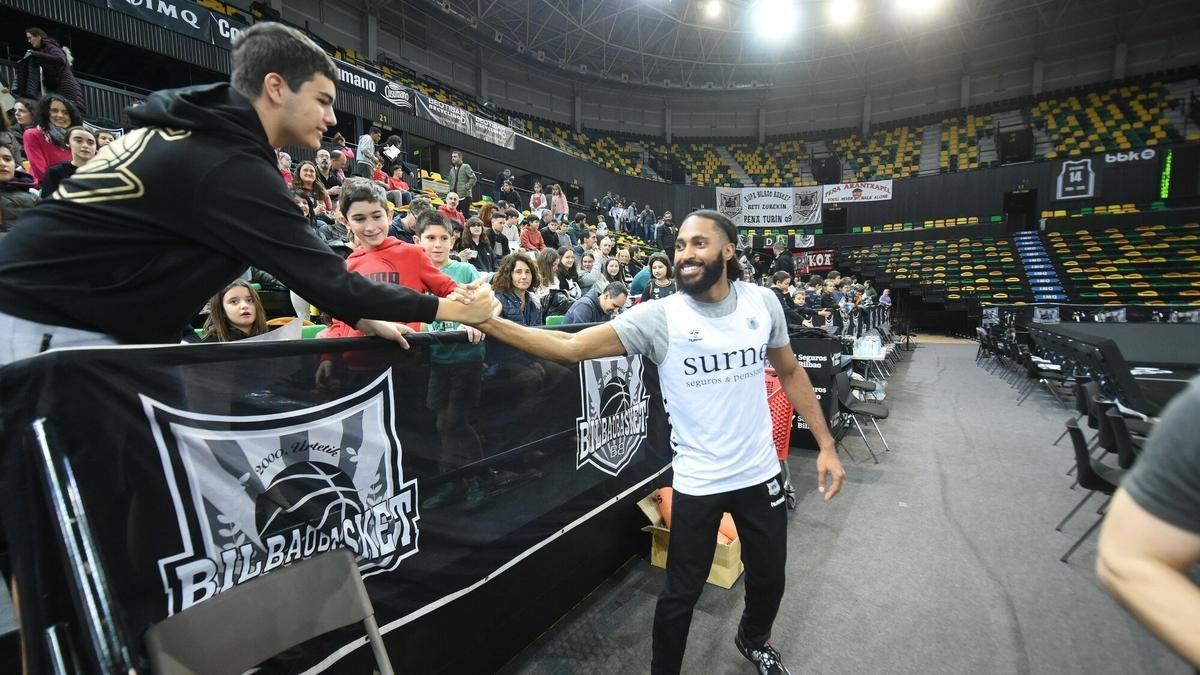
x,y
615,412
1121,157
254,493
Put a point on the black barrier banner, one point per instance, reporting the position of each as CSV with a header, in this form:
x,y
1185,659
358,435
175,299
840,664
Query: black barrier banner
x,y
371,85
464,121
203,467
821,359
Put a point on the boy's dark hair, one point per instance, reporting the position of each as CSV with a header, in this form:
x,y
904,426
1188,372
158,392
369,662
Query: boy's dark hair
x,y
662,258
275,48
432,219
580,217
78,127
512,213
358,189
780,277
374,130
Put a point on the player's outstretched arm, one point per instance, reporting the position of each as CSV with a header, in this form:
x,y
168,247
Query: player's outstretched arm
x,y
590,343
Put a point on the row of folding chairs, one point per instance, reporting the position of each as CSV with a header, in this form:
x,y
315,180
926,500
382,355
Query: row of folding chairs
x,y
859,400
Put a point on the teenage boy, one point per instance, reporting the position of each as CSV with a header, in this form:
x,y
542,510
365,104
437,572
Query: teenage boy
x,y
500,243
130,214
83,148
382,258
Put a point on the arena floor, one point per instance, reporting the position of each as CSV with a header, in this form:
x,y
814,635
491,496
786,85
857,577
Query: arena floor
x,y
941,559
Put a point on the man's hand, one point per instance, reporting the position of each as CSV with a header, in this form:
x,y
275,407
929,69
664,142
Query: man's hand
x,y
829,467
385,329
474,335
483,306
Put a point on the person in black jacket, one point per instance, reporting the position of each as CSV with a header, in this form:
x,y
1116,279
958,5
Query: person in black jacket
x,y
796,315
57,75
665,236
783,260
130,232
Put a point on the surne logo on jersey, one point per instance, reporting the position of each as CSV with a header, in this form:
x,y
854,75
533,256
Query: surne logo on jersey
x,y
616,407
254,493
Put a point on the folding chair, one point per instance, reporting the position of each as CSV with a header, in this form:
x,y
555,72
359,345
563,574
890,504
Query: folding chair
x,y
854,408
1093,477
248,624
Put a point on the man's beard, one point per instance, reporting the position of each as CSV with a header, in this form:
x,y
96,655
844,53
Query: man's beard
x,y
710,275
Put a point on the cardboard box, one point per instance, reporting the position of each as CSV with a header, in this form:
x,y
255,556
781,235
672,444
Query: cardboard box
x,y
727,561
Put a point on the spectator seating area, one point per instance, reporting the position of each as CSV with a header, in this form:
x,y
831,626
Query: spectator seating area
x,y
1150,264
960,142
1104,210
774,163
893,153
701,162
1125,117
928,224
984,269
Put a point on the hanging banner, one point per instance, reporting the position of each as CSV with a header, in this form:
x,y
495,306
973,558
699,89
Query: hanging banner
x,y
364,83
95,129
815,260
464,121
180,16
770,207
874,191
1076,179
806,205
206,466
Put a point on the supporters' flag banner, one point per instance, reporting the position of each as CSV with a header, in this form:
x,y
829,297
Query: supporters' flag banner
x,y
203,467
1022,315
806,205
770,207
873,191
815,260
791,241
370,85
463,121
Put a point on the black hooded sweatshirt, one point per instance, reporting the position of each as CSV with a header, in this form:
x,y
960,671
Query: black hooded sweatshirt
x,y
163,218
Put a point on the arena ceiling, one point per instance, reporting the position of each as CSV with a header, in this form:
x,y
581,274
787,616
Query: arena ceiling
x,y
747,44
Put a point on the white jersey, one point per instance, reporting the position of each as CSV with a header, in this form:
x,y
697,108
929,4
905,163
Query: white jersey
x,y
715,395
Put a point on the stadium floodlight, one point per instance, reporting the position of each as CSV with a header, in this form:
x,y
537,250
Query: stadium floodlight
x,y
775,20
842,12
712,9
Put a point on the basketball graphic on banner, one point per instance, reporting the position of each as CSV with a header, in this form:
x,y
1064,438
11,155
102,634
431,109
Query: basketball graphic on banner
x,y
615,404
306,493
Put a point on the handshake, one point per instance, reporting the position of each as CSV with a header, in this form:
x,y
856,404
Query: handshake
x,y
472,304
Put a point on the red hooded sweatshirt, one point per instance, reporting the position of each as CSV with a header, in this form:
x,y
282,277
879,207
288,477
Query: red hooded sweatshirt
x,y
395,262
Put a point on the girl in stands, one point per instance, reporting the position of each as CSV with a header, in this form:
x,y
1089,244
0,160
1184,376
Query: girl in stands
x,y
567,274
558,203
306,184
611,272
662,284
55,61
587,272
475,246
538,200
234,314
46,142
623,258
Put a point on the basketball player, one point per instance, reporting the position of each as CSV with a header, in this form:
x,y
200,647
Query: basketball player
x,y
133,234
711,342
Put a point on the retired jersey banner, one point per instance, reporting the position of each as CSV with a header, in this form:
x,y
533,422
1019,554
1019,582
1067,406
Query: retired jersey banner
x,y
770,207
874,191
204,467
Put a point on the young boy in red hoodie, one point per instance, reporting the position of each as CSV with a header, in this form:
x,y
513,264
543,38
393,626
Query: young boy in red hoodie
x,y
382,259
